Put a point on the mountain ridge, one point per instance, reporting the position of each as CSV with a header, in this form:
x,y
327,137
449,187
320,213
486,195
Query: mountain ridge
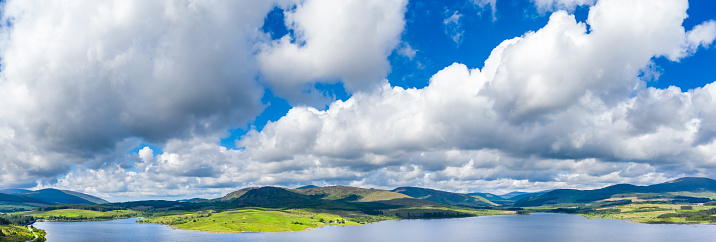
x,y
48,196
684,184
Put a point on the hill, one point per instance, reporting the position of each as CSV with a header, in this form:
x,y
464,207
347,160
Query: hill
x,y
55,196
14,191
274,197
236,194
516,196
687,184
351,193
47,196
513,194
492,198
10,199
363,195
307,186
456,199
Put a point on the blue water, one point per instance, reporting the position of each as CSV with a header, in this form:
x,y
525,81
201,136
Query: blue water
x,y
535,227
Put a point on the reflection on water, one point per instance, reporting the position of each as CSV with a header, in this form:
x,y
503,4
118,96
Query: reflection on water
x,y
535,227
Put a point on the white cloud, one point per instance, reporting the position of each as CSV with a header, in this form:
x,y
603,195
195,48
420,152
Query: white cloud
x,y
79,79
554,5
484,3
552,96
701,35
453,28
561,107
407,51
333,40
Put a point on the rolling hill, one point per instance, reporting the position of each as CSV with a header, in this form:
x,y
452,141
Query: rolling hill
x,y
456,199
687,184
14,191
47,196
56,196
273,197
307,186
516,196
351,193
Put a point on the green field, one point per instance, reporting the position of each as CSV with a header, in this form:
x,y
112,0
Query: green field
x,y
79,215
9,207
662,213
252,220
12,233
654,213
270,220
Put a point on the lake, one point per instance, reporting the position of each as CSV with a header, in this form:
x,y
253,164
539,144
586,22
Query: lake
x,y
535,227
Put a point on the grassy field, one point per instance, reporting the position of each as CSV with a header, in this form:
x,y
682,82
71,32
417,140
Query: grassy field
x,y
252,220
643,212
659,213
275,220
77,214
19,233
709,195
9,207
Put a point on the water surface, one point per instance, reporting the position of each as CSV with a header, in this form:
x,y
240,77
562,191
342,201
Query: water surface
x,y
535,227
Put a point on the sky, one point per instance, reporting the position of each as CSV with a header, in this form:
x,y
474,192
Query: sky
x,y
134,99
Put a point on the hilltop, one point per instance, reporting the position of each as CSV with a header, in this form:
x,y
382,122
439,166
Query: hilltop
x,y
683,187
21,199
451,198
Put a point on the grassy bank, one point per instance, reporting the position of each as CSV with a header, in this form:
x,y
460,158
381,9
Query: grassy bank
x,y
252,220
13,233
79,214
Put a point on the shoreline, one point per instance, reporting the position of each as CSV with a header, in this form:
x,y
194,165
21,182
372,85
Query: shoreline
x,y
585,216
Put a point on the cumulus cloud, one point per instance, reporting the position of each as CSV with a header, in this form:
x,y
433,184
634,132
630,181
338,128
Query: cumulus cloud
x,y
560,107
80,78
560,95
700,36
346,41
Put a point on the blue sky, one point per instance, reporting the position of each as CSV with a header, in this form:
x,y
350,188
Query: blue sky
x,y
137,99
425,32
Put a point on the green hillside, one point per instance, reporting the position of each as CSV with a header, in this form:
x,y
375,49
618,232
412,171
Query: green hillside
x,y
14,191
516,196
55,196
307,186
688,184
492,198
456,199
236,194
274,197
89,198
20,199
351,193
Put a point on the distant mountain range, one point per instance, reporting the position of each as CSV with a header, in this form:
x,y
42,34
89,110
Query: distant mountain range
x,y
337,197
450,198
47,196
691,186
